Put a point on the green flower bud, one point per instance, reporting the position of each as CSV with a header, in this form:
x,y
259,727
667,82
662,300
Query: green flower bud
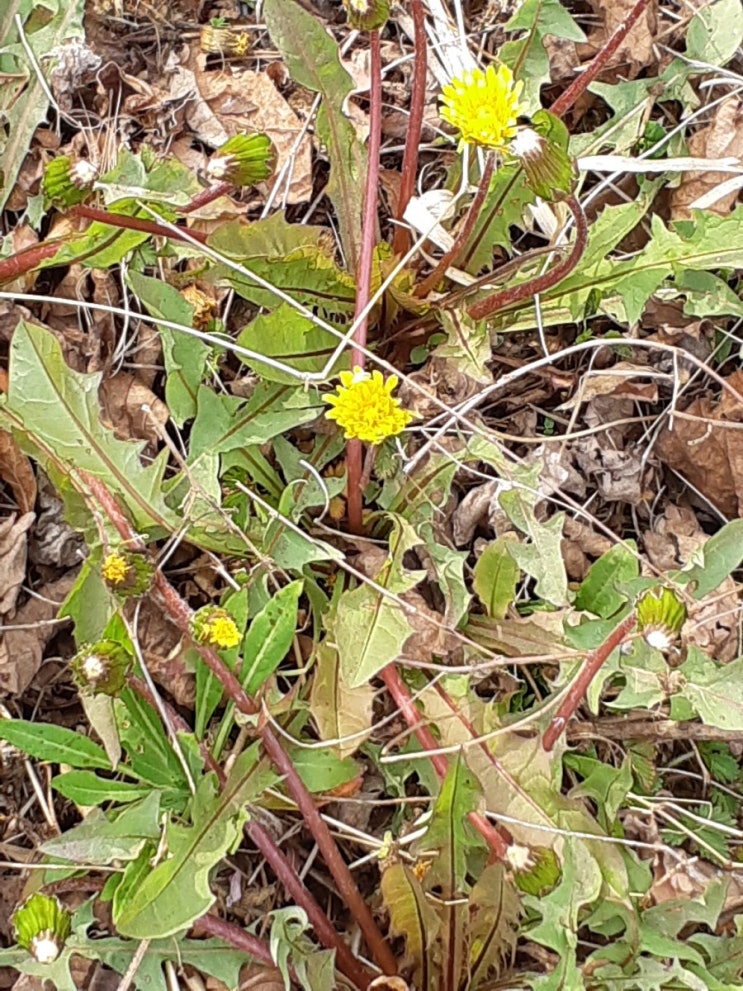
x,y
367,15
128,575
42,926
660,616
542,151
101,668
243,160
216,628
68,183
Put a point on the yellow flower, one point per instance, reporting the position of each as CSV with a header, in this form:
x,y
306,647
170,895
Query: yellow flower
x,y
483,106
115,569
216,627
365,409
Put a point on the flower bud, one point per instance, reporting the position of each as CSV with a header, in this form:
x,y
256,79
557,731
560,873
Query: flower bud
x,y
215,627
42,926
66,182
126,574
542,151
101,668
243,160
367,15
660,616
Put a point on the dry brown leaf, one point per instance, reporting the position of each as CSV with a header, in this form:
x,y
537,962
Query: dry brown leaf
x,y
21,650
620,380
708,456
13,553
249,101
162,647
721,138
131,409
635,53
16,470
54,543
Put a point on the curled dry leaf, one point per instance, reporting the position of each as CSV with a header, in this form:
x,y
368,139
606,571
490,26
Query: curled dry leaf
x,y
131,408
16,470
13,552
721,138
704,445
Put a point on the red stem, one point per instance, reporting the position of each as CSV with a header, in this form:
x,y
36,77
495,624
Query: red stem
x,y
514,294
265,843
354,454
579,85
465,230
180,614
401,696
210,925
207,196
132,223
586,675
401,237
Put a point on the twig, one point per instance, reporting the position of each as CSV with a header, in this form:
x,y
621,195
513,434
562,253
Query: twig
x,y
401,238
586,675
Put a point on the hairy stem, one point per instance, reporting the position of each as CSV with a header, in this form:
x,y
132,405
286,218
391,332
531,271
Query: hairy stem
x,y
401,237
515,294
586,675
465,230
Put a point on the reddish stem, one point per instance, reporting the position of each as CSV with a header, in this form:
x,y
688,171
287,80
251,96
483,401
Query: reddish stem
x,y
579,85
132,223
401,696
207,196
401,237
464,232
210,925
27,260
515,294
265,843
354,454
587,673
180,614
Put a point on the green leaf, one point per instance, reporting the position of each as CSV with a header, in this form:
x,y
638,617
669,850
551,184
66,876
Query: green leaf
x,y
715,32
23,93
149,751
269,637
224,423
44,741
41,381
599,592
412,916
292,949
495,911
312,57
184,355
98,840
322,770
177,891
341,713
716,693
495,579
369,633
721,555
538,18
87,789
294,340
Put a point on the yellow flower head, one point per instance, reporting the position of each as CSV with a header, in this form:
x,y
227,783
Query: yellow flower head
x,y
363,406
215,627
483,106
115,569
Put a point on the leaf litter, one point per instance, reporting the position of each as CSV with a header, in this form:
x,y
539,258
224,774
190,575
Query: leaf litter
x,y
575,451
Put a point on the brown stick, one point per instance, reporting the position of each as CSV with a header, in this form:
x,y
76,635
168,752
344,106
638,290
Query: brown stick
x,y
586,675
515,294
624,728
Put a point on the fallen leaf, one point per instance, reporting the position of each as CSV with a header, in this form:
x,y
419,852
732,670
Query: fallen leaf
x,y
13,551
16,470
721,138
635,52
131,409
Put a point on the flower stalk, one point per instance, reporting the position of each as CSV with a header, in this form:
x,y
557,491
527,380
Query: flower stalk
x,y
401,237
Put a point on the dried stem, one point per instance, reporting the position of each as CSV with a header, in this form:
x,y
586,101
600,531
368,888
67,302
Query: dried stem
x,y
465,230
586,675
579,85
401,238
179,613
354,453
514,294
